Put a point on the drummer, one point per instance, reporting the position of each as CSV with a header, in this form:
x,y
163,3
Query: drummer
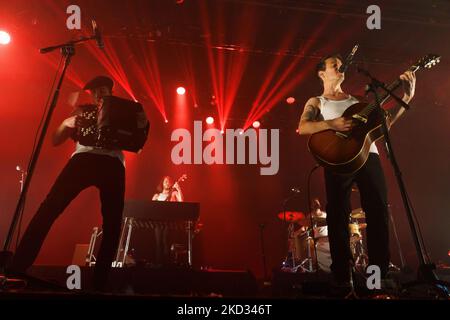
x,y
319,217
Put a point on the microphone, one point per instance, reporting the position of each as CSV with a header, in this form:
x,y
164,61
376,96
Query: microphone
x,y
348,61
97,35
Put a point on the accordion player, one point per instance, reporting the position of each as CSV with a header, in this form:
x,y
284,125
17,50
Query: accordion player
x,y
117,124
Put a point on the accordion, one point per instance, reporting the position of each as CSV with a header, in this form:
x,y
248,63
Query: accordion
x,y
118,124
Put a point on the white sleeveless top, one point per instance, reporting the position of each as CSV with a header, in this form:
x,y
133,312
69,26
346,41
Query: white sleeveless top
x,y
162,197
332,109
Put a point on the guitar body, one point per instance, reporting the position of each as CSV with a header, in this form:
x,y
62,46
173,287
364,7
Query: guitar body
x,y
345,155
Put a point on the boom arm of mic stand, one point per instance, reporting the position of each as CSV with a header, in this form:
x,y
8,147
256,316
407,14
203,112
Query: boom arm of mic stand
x,y
378,84
64,45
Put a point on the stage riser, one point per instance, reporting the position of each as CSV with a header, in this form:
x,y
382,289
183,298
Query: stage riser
x,y
161,282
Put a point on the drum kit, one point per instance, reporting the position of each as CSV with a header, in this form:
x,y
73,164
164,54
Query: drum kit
x,y
308,245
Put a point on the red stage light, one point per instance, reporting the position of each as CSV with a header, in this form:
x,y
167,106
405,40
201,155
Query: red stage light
x,y
290,100
5,38
166,121
256,124
209,120
181,91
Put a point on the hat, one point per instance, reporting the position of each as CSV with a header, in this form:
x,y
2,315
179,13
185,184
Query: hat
x,y
99,81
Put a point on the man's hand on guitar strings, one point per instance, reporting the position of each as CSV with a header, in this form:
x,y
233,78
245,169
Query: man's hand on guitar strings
x,y
341,124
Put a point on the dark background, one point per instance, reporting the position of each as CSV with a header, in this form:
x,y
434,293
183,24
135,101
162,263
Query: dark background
x,y
161,44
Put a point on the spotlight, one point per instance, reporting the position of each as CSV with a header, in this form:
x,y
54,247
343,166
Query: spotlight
x,y
5,38
181,91
241,132
290,100
166,121
222,131
209,120
256,124
213,101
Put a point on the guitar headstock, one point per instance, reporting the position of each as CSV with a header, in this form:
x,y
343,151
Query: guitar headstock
x,y
428,61
182,178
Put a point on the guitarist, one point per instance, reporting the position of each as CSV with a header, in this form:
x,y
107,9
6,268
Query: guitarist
x,y
324,113
167,190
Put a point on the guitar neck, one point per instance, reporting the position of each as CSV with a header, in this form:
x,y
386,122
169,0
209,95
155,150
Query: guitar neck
x,y
383,98
385,95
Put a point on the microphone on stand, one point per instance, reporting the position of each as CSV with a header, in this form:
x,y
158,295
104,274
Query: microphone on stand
x,y
348,61
97,35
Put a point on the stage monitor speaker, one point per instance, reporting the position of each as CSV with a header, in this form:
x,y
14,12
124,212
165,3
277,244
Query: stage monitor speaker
x,y
80,254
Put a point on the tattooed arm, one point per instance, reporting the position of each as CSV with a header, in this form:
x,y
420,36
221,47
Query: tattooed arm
x,y
312,121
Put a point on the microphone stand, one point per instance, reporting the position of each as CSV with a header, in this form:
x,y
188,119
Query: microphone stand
x,y
263,253
284,206
311,220
426,274
67,51
21,182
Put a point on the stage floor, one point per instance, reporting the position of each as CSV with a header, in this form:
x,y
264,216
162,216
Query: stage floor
x,y
137,283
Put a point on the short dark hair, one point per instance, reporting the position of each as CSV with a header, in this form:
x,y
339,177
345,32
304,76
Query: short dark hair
x,y
321,65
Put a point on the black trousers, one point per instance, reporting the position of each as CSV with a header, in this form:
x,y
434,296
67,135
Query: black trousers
x,y
82,171
372,188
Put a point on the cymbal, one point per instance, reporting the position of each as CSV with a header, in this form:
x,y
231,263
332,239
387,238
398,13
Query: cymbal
x,y
358,214
359,226
292,216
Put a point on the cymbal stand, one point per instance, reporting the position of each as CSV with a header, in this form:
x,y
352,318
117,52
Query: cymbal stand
x,y
307,264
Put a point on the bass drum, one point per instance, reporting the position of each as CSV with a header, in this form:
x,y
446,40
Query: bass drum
x,y
304,248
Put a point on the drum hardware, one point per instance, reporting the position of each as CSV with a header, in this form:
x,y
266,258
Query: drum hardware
x,y
302,256
308,263
356,240
358,214
352,294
